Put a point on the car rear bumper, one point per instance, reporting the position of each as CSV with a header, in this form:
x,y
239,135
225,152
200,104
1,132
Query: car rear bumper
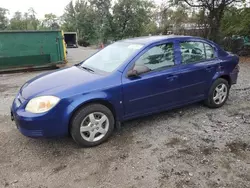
x,y
234,75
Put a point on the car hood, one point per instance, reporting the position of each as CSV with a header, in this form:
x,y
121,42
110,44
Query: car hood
x,y
54,82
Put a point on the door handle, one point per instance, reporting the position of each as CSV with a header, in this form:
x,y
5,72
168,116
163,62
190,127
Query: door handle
x,y
171,77
221,67
209,68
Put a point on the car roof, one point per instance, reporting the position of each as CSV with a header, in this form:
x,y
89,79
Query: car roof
x,y
153,39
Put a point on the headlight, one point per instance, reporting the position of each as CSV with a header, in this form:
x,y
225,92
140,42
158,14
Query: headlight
x,y
41,104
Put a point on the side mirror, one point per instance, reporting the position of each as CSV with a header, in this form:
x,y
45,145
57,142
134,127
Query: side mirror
x,y
138,70
132,73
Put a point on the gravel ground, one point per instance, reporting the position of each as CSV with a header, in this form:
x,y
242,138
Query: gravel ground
x,y
189,147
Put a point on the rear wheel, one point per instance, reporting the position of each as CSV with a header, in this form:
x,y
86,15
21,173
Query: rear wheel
x,y
92,125
218,93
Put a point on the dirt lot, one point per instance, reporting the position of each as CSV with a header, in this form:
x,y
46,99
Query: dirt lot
x,y
192,147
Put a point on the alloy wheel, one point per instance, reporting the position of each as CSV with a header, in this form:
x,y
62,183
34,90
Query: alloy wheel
x,y
220,94
94,127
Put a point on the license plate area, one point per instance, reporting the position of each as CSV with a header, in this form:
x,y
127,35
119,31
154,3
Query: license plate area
x,y
13,118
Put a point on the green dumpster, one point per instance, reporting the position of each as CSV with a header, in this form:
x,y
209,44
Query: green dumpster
x,y
21,50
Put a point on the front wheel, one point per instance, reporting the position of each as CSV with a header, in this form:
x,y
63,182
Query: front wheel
x,y
218,93
92,125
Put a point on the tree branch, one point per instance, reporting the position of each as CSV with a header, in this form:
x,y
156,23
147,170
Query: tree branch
x,y
193,5
228,2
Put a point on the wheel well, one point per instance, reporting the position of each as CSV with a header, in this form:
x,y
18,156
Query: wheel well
x,y
103,102
227,78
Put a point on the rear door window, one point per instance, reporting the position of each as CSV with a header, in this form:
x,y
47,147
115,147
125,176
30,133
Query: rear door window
x,y
209,51
192,52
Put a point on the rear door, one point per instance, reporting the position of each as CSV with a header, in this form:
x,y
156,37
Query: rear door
x,y
198,66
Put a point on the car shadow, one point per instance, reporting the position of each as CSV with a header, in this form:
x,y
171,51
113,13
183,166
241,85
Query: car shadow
x,y
121,137
149,120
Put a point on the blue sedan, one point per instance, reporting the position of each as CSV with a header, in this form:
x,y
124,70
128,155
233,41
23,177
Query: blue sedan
x,y
127,79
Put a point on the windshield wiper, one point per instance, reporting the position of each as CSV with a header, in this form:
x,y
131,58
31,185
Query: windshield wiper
x,y
86,68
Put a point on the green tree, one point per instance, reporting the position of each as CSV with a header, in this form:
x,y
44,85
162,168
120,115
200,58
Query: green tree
x,y
26,21
173,19
151,28
200,21
32,21
17,22
3,18
215,10
69,18
178,18
100,20
50,22
86,21
104,19
131,17
236,21
164,14
89,19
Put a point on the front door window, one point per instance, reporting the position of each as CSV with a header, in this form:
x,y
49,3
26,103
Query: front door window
x,y
157,58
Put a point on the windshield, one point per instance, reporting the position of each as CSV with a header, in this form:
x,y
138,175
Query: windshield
x,y
111,57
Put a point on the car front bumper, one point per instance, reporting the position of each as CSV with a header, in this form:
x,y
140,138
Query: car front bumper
x,y
53,123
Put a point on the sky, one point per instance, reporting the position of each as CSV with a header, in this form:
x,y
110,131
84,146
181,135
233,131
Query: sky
x,y
40,6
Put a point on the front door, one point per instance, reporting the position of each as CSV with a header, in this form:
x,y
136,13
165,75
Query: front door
x,y
155,88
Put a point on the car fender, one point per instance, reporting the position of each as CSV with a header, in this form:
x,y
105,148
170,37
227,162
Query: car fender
x,y
80,100
216,76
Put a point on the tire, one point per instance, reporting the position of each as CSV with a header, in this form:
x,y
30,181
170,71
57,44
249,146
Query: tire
x,y
86,123
212,101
